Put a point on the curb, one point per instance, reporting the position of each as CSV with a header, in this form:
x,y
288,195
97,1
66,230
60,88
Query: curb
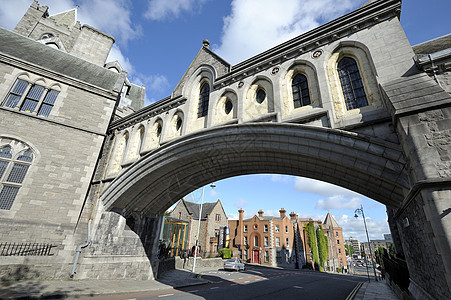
x,y
354,291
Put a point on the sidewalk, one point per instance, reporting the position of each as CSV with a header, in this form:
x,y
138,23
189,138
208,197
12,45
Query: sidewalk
x,y
172,279
375,290
34,289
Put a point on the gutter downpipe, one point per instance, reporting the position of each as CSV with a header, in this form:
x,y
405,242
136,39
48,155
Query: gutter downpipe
x,y
78,250
88,239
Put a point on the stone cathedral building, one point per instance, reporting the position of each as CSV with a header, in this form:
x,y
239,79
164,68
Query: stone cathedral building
x,y
86,171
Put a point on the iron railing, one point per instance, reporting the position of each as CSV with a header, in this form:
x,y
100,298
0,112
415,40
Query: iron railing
x,y
398,272
26,249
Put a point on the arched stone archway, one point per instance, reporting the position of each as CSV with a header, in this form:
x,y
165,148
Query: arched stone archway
x,y
372,167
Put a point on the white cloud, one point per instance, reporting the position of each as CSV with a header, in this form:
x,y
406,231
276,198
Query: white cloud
x,y
321,188
112,17
162,9
240,203
355,228
11,12
281,178
338,202
257,25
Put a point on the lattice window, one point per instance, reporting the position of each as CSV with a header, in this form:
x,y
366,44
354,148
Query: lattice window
x,y
12,174
48,103
15,94
351,83
37,98
204,98
301,95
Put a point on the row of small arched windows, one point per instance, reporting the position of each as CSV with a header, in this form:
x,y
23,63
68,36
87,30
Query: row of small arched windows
x,y
351,85
350,80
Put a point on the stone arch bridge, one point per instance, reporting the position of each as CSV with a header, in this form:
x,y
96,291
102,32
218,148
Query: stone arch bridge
x,y
339,103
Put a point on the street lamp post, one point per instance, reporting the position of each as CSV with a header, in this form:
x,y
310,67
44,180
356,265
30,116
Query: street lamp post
x,y
360,210
198,226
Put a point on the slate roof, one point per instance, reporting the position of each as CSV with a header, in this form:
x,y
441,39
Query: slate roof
x,y
28,50
193,208
330,220
432,46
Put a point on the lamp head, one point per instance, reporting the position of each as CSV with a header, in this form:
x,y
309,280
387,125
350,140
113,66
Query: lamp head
x,y
356,216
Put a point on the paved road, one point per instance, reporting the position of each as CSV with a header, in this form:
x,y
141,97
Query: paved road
x,y
260,283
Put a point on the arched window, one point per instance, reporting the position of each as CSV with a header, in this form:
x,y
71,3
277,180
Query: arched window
x,y
118,157
12,174
255,241
351,83
260,96
204,97
301,96
228,107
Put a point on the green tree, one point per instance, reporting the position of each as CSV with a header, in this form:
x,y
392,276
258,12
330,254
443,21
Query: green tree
x,y
378,253
391,250
323,247
312,243
349,249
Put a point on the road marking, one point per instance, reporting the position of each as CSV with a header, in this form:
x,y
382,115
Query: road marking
x,y
298,287
193,291
234,284
165,295
213,288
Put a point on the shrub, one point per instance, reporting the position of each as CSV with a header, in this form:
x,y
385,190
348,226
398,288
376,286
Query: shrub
x,y
225,253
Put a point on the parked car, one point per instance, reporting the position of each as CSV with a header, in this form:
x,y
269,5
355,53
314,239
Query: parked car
x,y
234,264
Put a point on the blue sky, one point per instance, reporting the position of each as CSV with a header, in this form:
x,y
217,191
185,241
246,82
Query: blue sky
x,y
156,41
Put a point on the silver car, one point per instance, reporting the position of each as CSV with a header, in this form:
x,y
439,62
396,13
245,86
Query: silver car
x,y
234,264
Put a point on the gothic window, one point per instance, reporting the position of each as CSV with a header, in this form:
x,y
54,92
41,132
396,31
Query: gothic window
x,y
118,157
12,173
351,83
261,96
178,124
299,86
204,97
37,98
228,107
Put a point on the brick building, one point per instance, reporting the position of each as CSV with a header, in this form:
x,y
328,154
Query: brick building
x,y
275,241
337,252
212,221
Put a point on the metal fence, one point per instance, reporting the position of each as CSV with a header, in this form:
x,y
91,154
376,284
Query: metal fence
x,y
26,249
398,272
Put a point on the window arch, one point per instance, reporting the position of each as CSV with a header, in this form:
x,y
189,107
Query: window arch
x,y
351,83
119,155
13,169
301,95
204,98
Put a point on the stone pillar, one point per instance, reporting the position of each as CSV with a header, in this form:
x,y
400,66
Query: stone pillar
x,y
421,113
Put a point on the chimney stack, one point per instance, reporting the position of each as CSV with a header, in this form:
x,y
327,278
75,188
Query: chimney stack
x,y
260,213
241,212
293,216
282,212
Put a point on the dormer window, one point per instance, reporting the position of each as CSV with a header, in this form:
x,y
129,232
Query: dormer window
x,y
47,36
